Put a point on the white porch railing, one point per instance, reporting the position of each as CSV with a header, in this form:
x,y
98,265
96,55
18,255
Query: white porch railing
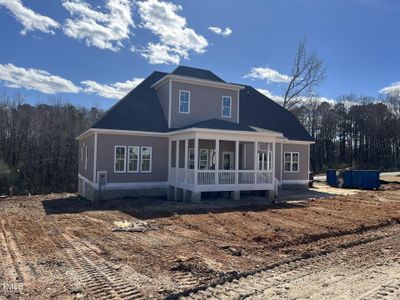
x,y
212,177
205,177
246,177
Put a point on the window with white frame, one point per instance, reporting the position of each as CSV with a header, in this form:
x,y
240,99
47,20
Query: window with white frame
x,y
133,159
86,157
226,106
184,102
203,159
119,159
291,161
146,153
191,158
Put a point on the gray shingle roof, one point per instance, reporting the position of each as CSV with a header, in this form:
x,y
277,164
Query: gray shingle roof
x,y
196,73
259,111
140,110
221,125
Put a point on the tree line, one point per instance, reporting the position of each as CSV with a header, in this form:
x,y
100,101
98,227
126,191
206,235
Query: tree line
x,y
38,149
357,132
39,152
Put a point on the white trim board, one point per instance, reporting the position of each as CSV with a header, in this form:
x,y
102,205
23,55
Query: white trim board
x,y
270,133
95,158
134,185
169,103
88,181
294,181
192,80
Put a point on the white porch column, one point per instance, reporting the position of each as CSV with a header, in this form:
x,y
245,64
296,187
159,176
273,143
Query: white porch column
x,y
216,161
255,161
196,157
273,159
177,155
236,162
186,157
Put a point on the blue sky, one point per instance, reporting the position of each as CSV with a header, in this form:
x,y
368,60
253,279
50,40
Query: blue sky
x,y
92,52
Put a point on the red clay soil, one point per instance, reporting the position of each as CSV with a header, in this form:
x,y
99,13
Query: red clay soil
x,y
63,247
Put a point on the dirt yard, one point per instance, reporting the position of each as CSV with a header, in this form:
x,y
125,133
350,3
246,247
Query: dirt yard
x,y
329,247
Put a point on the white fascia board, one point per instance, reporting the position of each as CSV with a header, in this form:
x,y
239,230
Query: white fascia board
x,y
129,132
228,132
298,142
85,134
279,138
193,80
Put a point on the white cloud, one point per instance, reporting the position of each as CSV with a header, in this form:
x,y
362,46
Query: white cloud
x,y
42,81
160,54
28,18
393,89
267,74
224,32
112,91
176,39
98,29
34,79
270,95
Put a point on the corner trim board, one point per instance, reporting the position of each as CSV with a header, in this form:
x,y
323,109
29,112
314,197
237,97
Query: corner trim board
x,y
95,158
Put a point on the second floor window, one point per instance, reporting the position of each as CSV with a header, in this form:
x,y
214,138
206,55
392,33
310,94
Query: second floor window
x,y
226,106
184,102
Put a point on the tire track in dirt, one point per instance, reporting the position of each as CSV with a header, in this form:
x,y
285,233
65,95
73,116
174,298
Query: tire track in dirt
x,y
388,291
102,278
253,283
182,279
12,256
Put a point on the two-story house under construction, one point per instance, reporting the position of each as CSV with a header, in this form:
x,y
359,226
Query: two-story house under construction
x,y
188,133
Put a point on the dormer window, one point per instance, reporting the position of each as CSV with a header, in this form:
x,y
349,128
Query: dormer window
x,y
226,106
184,102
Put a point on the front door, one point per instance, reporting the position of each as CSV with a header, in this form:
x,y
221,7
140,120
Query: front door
x,y
227,160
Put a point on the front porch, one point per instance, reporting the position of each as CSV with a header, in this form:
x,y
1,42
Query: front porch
x,y
219,162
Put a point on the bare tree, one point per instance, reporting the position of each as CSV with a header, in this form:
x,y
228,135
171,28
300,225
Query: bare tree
x,y
308,71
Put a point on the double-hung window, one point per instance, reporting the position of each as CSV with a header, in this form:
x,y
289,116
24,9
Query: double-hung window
x,y
291,161
184,102
226,106
133,159
119,159
146,153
